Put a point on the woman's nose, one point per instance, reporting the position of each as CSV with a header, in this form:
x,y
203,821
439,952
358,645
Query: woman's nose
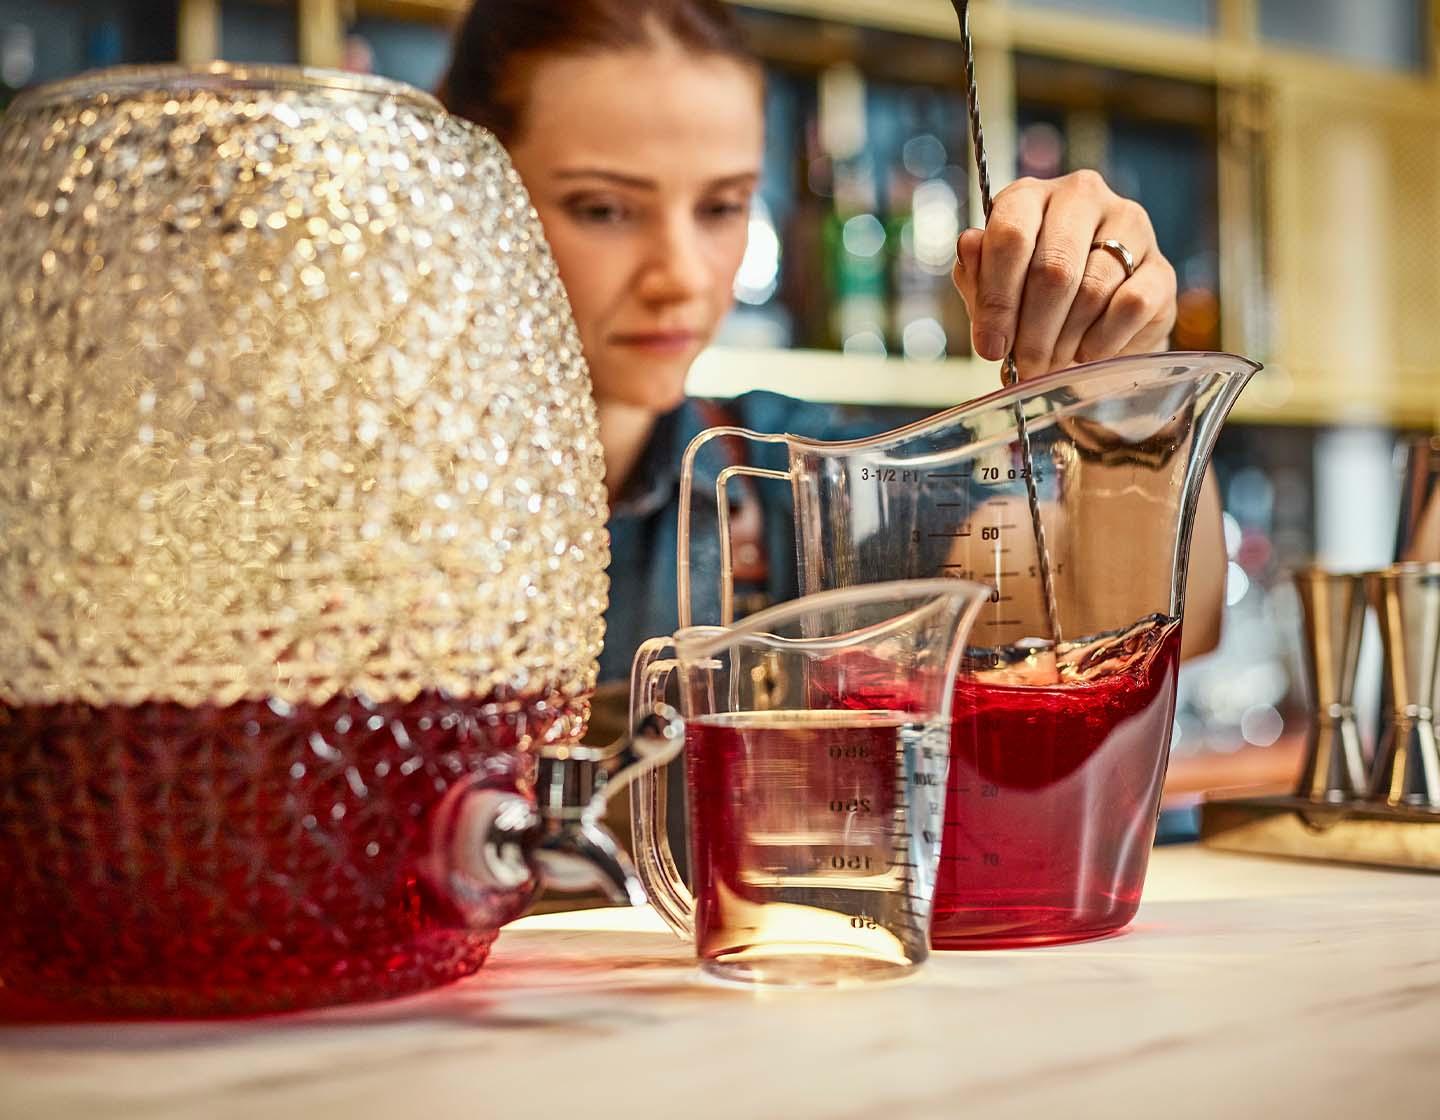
x,y
676,268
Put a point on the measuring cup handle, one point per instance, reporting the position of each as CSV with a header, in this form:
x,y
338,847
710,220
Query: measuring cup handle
x,y
736,469
649,794
727,544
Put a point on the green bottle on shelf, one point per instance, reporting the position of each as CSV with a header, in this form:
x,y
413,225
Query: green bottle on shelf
x,y
853,242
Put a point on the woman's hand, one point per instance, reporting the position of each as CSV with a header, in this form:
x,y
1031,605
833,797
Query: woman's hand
x,y
1034,286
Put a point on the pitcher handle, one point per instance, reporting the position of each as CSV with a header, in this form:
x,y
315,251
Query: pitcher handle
x,y
687,490
649,795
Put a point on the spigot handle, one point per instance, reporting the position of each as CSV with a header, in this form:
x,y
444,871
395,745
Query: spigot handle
x,y
494,848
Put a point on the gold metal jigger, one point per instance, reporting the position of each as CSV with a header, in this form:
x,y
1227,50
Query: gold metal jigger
x,y
1407,764
1333,611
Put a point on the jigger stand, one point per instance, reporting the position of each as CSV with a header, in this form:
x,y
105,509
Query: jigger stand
x,y
1357,832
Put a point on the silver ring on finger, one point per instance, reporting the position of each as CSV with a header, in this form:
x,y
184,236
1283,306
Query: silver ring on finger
x,y
1120,253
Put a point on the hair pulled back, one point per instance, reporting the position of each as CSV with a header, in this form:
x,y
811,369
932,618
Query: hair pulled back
x,y
499,40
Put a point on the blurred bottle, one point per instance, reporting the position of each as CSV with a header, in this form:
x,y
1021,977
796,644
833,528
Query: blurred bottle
x,y
854,245
17,60
853,237
104,45
1417,534
927,317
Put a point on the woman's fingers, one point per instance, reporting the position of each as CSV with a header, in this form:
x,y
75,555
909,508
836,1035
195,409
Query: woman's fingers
x,y
967,266
1036,289
1138,317
1103,277
1005,254
1104,274
1052,282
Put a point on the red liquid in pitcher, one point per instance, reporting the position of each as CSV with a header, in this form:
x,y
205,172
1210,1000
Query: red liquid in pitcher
x,y
165,860
1053,794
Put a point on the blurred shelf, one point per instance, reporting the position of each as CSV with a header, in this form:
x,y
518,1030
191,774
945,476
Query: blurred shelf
x,y
835,378
1320,157
1271,769
819,375
1233,55
438,11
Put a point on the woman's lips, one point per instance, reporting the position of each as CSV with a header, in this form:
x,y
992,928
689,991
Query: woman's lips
x,y
657,342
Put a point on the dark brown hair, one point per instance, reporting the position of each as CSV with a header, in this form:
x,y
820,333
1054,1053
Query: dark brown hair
x,y
498,38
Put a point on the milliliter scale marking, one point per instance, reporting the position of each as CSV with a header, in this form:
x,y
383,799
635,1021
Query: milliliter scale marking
x,y
917,772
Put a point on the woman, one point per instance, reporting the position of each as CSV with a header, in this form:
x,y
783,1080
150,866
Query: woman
x,y
637,127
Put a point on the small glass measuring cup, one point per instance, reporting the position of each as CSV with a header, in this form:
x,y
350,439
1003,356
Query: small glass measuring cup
x,y
817,737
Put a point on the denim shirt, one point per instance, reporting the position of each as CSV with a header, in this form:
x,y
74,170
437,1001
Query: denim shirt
x,y
644,520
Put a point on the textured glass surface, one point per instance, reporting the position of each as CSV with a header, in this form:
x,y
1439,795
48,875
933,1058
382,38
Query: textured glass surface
x,y
1388,32
301,525
171,860
291,403
1181,13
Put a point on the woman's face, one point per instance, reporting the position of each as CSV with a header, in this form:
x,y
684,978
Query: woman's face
x,y
641,165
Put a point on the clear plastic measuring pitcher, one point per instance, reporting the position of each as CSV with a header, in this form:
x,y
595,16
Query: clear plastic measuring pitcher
x,y
816,735
1060,739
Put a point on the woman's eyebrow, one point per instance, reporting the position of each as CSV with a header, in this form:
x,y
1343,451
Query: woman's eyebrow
x,y
739,179
637,182
615,177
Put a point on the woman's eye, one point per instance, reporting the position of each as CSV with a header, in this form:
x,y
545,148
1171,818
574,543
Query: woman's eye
x,y
597,211
722,210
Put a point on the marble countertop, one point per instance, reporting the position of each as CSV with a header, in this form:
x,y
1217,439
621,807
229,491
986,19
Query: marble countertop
x,y
1246,987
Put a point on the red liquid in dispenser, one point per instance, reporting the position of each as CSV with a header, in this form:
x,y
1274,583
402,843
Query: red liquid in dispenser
x,y
164,860
1053,796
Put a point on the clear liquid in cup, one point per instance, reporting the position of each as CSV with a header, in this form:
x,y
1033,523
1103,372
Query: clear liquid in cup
x,y
816,841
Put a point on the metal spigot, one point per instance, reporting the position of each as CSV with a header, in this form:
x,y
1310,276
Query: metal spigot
x,y
1333,612
577,852
495,849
